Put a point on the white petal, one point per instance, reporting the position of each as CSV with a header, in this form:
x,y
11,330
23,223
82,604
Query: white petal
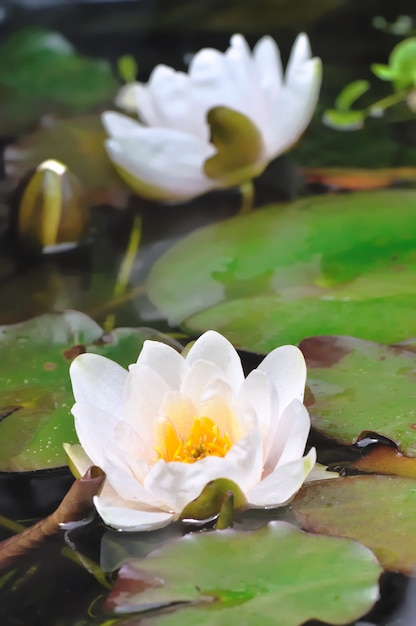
x,y
144,392
125,516
144,104
213,347
200,374
118,125
169,160
286,370
180,410
256,399
269,67
291,436
165,360
179,483
293,108
95,430
98,381
299,55
280,486
218,403
173,103
228,79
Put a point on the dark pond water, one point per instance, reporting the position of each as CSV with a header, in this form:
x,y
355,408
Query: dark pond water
x,y
48,587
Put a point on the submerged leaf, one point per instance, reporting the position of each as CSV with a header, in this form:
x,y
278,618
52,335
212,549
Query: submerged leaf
x,y
250,577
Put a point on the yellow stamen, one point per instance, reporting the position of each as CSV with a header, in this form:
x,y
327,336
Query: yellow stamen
x,y
204,439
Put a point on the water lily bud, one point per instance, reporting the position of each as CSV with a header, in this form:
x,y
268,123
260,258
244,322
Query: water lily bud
x,y
52,215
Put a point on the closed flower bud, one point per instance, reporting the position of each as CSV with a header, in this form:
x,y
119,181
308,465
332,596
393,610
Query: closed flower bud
x,y
52,215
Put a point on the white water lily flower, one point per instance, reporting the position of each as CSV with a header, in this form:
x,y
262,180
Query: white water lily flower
x,y
168,426
217,126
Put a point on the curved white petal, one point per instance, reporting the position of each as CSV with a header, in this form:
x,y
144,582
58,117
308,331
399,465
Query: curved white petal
x,y
95,430
177,484
292,109
165,360
173,104
143,395
227,79
121,126
167,159
215,348
290,438
98,381
299,55
269,67
286,370
123,515
256,399
280,486
180,410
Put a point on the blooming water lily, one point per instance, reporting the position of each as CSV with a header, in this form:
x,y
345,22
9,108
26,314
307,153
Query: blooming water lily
x,y
162,430
217,126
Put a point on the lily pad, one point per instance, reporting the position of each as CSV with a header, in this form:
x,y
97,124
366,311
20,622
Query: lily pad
x,y
35,388
41,66
358,385
326,265
250,577
378,511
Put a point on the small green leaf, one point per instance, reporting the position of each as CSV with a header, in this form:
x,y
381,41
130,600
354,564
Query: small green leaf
x,y
401,70
250,578
350,94
344,120
127,68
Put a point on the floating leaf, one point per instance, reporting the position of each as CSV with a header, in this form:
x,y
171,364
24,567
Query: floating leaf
x,y
41,66
378,511
342,265
383,459
35,388
358,385
250,577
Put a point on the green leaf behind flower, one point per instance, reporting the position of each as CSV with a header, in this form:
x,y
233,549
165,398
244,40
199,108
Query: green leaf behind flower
x,y
35,388
339,264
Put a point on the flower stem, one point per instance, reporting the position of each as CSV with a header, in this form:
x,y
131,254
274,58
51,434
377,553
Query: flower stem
x,y
247,197
125,269
225,518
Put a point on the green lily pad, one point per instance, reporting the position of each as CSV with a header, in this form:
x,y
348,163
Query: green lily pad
x,y
35,388
340,264
378,511
250,577
41,67
358,385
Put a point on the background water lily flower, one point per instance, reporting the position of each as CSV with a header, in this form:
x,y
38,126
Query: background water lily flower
x,y
162,430
217,126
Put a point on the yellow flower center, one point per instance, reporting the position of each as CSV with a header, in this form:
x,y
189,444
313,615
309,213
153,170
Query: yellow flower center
x,y
204,439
